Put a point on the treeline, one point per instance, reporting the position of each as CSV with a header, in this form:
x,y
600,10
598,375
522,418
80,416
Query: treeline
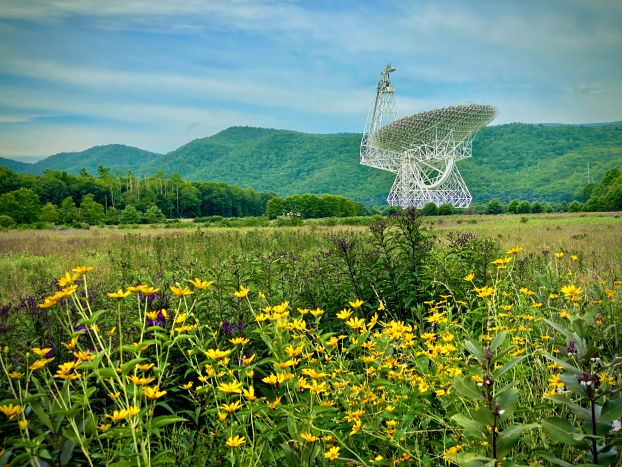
x,y
606,195
309,206
59,197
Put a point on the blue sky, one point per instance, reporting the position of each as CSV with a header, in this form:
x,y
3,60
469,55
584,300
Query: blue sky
x,y
157,74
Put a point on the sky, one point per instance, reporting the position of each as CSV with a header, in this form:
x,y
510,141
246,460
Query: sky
x,y
156,74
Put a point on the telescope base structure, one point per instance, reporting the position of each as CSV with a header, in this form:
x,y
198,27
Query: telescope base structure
x,y
408,191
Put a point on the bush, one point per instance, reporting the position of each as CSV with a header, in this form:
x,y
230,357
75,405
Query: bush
x,y
7,222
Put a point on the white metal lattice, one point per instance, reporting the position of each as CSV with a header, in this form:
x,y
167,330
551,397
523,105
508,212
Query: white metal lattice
x,y
421,149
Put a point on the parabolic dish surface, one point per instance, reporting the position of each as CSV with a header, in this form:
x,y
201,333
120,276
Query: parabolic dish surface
x,y
456,123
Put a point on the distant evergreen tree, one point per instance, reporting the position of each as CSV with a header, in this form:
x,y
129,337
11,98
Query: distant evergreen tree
x,y
68,211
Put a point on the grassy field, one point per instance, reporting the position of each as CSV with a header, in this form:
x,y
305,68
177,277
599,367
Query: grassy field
x,y
468,340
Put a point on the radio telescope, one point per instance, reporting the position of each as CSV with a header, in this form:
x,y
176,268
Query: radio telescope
x,y
421,149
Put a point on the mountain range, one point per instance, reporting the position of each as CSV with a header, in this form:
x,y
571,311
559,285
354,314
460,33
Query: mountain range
x,y
525,161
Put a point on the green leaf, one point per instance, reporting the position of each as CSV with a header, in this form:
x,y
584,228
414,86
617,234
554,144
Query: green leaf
x,y
508,366
562,431
163,420
556,461
468,389
128,366
67,453
497,341
42,414
569,335
474,427
571,383
579,411
509,437
469,459
562,363
475,349
612,410
507,400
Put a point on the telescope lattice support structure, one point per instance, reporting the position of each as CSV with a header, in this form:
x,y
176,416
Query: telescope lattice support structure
x,y
422,149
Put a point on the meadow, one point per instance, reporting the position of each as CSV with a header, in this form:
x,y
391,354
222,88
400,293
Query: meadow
x,y
469,340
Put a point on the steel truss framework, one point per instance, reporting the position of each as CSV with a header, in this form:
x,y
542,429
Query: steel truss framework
x,y
422,149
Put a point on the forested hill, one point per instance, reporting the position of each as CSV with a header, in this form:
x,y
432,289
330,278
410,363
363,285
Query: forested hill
x,y
525,161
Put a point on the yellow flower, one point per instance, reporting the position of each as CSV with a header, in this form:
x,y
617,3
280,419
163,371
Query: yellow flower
x,y
234,442
200,284
564,314
355,323
502,262
188,385
41,352
114,395
72,344
249,394
104,427
332,453
16,374
571,291
423,386
317,312
67,279
469,277
484,292
217,354
514,250
275,403
119,294
47,303
556,382
118,415
248,360
356,427
140,381
145,366
222,416
239,341
356,304
180,292
243,292
230,408
153,392
559,254
23,424
526,291
83,356
38,364
574,258
10,410
308,437
234,387
453,450
83,269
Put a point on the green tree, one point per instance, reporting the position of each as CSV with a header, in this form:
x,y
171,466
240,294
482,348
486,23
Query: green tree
x,y
22,205
445,210
494,207
430,209
91,211
154,215
131,215
68,212
49,213
523,207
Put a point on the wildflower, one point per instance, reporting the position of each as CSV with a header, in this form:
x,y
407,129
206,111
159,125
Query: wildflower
x,y
243,292
145,366
344,314
122,414
423,386
84,356
230,408
239,340
502,263
114,395
556,382
42,352
308,437
16,374
275,403
380,306
200,284
248,360
469,277
312,373
356,427
453,450
356,304
187,386
67,279
119,294
564,314
249,394
514,250
104,427
47,303
526,291
436,317
559,254
217,354
222,416
355,323
140,381
153,392
23,424
574,258
234,442
180,292
38,364
332,453
234,387
428,336
484,292
571,291
11,411
317,312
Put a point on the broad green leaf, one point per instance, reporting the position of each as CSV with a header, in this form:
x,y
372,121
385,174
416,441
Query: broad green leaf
x,y
556,461
571,383
562,363
497,341
42,414
509,437
128,366
163,420
612,410
579,411
67,453
468,389
468,423
507,400
569,335
508,366
475,349
562,431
